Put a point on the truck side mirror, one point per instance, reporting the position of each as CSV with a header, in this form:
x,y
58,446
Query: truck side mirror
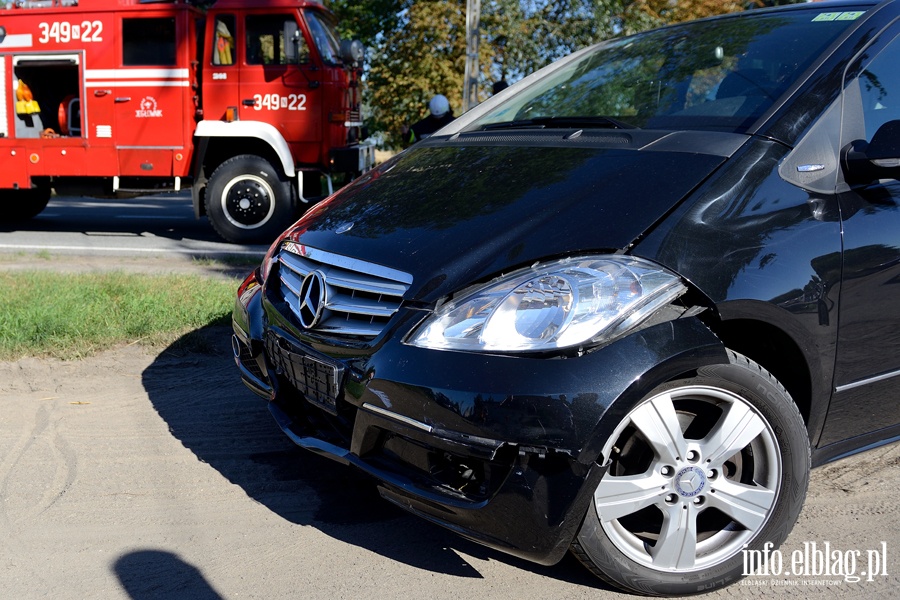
x,y
291,41
878,159
352,53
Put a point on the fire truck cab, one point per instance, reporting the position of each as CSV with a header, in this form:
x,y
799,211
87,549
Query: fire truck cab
x,y
254,104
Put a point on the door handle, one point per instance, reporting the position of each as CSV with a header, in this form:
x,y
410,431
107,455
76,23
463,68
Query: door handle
x,y
248,102
101,93
122,99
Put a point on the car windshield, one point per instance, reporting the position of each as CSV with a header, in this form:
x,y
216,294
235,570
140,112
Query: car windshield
x,y
720,74
324,36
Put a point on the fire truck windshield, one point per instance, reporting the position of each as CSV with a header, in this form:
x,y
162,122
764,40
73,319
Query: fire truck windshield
x,y
324,36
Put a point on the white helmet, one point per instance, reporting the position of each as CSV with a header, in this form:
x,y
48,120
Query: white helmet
x,y
439,105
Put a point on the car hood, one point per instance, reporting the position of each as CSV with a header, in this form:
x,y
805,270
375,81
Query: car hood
x,y
452,214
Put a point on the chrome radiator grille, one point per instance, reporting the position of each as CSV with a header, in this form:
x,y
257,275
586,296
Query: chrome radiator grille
x,y
335,294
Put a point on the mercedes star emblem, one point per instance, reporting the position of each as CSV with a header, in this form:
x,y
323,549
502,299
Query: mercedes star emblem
x,y
312,299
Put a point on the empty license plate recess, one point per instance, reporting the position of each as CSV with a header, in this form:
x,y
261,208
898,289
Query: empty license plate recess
x,y
319,380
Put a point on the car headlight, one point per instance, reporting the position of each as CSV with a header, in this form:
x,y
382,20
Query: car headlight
x,y
553,305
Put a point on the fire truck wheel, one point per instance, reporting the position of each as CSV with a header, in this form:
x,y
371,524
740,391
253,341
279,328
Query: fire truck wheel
x,y
248,200
21,205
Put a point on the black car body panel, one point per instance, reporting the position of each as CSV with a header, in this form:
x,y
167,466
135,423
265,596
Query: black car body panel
x,y
770,252
779,259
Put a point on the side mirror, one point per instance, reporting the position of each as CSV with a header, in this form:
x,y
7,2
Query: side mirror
x,y
878,159
291,38
352,53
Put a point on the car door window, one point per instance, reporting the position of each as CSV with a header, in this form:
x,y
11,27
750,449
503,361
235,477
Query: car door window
x,y
266,43
148,41
223,40
878,85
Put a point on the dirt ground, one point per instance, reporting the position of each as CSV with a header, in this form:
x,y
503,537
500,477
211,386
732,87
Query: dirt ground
x,y
147,473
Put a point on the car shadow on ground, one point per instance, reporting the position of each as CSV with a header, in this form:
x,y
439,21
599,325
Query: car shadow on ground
x,y
200,397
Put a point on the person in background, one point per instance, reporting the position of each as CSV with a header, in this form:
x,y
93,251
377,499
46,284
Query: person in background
x,y
440,115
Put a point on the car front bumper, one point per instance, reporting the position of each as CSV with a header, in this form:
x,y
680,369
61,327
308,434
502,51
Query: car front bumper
x,y
504,450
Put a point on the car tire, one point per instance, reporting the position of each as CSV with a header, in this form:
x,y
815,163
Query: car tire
x,y
22,205
699,470
249,201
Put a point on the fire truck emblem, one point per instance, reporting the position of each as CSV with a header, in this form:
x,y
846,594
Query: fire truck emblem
x,y
148,109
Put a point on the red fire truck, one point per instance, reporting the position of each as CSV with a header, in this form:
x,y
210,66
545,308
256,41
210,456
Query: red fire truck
x,y
254,104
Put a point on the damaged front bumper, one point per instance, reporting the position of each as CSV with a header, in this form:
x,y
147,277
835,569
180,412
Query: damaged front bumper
x,y
504,450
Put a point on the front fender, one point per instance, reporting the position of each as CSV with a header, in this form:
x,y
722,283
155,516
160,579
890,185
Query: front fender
x,y
250,129
673,349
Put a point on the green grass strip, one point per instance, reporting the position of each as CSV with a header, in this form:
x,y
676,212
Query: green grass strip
x,y
71,315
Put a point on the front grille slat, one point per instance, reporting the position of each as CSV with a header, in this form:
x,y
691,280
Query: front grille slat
x,y
361,306
292,281
366,284
296,263
356,328
360,296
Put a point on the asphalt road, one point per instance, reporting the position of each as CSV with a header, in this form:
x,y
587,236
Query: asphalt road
x,y
149,225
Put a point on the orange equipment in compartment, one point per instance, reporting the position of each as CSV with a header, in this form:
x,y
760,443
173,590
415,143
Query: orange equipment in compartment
x,y
25,102
69,115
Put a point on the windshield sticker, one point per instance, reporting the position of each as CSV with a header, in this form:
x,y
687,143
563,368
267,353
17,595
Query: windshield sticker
x,y
839,16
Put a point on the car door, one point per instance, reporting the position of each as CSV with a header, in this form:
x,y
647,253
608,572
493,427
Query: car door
x,y
221,76
148,93
275,88
867,374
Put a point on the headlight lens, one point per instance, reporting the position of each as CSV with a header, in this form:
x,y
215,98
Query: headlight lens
x,y
552,305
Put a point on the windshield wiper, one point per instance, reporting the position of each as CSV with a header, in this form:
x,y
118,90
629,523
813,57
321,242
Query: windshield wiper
x,y
562,123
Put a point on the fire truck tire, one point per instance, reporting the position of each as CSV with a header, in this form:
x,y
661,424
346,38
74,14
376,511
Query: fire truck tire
x,y
21,205
248,200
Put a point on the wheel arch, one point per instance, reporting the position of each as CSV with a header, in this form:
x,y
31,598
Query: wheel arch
x,y
691,344
217,141
776,340
759,339
246,135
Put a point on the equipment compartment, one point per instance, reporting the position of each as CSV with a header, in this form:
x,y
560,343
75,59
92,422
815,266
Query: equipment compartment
x,y
46,93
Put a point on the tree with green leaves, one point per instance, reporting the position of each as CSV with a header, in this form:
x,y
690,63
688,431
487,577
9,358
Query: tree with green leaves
x,y
366,20
423,56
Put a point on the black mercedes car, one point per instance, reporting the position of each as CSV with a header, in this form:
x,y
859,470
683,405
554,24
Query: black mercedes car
x,y
622,307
